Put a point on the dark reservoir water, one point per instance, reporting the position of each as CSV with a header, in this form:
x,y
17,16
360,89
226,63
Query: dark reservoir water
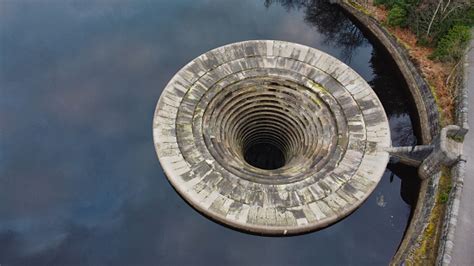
x,y
79,179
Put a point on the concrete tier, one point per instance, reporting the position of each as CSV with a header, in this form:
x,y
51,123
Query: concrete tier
x,y
323,117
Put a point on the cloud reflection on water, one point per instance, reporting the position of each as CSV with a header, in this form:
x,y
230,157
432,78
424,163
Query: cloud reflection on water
x,y
79,179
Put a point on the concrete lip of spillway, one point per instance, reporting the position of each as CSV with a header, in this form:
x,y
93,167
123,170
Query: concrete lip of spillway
x,y
326,121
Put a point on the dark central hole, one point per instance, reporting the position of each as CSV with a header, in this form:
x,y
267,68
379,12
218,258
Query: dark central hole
x,y
264,156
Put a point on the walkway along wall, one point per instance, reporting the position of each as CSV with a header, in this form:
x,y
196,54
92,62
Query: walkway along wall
x,y
458,171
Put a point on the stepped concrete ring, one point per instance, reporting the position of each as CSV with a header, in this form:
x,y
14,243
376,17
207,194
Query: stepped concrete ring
x,y
325,119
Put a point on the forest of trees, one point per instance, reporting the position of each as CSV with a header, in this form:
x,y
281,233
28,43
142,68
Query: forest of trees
x,y
442,24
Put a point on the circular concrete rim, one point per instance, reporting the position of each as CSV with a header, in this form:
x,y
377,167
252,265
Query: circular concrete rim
x,y
341,199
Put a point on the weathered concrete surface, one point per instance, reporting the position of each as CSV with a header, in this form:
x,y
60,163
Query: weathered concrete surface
x,y
445,150
412,156
464,233
323,116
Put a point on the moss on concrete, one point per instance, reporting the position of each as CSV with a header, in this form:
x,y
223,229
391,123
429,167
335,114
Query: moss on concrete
x,y
459,139
442,118
360,8
425,251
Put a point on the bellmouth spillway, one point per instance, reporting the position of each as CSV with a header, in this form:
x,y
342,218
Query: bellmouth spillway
x,y
324,119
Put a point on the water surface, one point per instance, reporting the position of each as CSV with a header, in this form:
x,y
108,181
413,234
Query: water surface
x,y
79,179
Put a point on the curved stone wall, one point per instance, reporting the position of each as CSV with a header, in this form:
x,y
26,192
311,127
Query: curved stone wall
x,y
425,103
428,116
324,119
